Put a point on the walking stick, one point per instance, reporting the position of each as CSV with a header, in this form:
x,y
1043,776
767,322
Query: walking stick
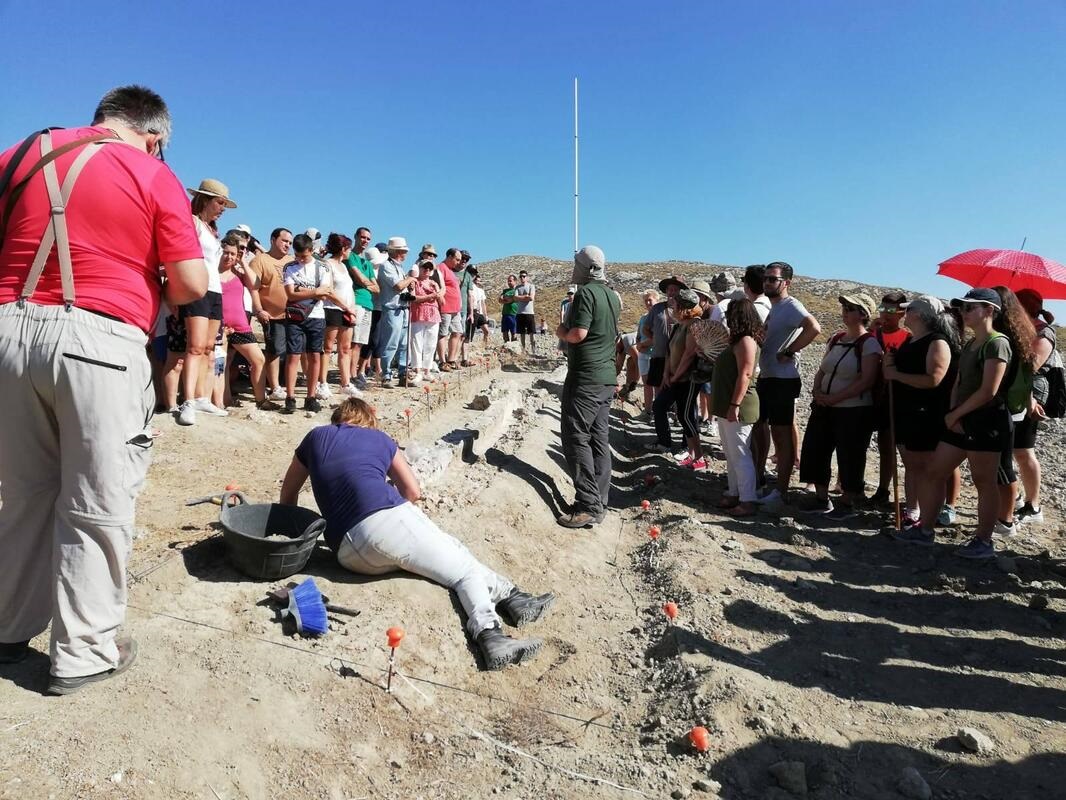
x,y
892,447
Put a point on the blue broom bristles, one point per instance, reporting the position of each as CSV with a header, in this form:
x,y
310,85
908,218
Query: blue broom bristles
x,y
307,608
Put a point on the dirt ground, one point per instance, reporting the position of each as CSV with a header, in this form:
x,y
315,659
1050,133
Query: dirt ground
x,y
835,651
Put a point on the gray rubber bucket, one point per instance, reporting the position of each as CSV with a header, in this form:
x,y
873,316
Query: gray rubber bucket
x,y
268,541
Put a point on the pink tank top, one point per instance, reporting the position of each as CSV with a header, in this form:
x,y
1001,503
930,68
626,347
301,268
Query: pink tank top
x,y
233,313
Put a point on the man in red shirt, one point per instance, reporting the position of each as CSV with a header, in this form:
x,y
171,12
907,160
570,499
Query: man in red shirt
x,y
82,239
452,324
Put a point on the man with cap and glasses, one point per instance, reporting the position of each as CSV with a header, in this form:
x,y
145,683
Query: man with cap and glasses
x,y
789,328
82,238
891,336
589,331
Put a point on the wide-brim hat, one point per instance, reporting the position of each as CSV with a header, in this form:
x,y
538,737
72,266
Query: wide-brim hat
x,y
397,243
723,282
213,188
703,289
673,280
430,249
862,300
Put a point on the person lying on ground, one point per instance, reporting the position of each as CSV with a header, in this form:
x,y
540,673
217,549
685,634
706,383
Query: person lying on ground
x,y
375,527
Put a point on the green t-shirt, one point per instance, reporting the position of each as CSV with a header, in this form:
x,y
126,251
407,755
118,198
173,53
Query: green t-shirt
x,y
510,309
363,296
465,282
591,361
972,368
724,382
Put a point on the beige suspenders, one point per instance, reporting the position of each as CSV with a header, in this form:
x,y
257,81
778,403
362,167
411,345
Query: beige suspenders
x,y
55,233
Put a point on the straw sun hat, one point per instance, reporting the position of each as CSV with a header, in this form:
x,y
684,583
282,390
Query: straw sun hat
x,y
213,188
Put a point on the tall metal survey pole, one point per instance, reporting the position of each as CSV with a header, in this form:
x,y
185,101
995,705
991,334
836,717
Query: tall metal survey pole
x,y
576,245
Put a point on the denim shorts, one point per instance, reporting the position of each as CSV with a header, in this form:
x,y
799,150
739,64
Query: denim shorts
x,y
305,337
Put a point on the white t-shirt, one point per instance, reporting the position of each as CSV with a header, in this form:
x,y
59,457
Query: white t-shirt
x,y
787,315
308,276
343,283
840,369
478,297
212,248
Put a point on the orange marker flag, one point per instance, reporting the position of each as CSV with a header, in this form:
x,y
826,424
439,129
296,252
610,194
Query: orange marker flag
x,y
700,738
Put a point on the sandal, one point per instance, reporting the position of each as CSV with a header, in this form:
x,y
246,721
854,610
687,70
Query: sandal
x,y
728,502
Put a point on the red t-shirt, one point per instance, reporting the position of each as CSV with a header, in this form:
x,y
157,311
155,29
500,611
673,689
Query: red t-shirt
x,y
127,215
892,341
453,303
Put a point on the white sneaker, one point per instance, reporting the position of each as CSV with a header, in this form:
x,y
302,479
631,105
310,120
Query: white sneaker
x,y
1027,514
205,405
351,391
278,393
186,414
1004,529
434,367
773,496
415,381
679,456
323,392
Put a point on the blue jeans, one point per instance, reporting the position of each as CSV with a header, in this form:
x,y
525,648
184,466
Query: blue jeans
x,y
392,340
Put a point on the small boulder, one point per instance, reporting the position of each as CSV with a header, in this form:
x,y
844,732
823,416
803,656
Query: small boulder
x,y
481,402
791,776
975,741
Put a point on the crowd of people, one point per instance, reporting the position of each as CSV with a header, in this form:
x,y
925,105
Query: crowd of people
x,y
938,383
318,302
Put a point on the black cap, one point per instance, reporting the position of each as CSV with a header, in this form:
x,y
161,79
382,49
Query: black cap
x,y
980,295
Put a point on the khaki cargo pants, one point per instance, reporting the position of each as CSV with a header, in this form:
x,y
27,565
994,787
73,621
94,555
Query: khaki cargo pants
x,y
74,450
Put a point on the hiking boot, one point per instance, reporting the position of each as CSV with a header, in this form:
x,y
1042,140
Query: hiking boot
x,y
14,652
578,519
187,413
311,404
521,608
127,654
290,405
498,649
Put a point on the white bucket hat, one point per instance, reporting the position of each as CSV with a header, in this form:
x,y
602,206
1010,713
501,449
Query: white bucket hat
x,y
375,256
397,243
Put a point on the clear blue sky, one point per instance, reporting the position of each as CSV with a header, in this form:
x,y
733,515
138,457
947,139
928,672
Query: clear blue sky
x,y
852,139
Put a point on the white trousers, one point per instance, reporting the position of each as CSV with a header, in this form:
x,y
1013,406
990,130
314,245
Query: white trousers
x,y
405,538
74,451
735,438
423,344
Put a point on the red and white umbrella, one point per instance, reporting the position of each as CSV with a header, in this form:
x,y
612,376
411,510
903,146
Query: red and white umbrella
x,y
1014,269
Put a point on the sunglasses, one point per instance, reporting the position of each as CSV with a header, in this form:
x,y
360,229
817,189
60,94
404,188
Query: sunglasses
x,y
772,279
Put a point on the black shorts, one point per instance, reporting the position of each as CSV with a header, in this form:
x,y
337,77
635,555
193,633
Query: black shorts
x,y
1005,472
919,429
305,337
335,319
527,323
473,326
656,366
274,336
210,306
241,337
986,430
1025,433
777,399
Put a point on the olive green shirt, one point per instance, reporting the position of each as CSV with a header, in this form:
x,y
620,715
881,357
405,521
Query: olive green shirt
x,y
972,366
591,361
724,381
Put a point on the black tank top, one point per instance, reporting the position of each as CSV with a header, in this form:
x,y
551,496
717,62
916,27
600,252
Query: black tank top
x,y
910,360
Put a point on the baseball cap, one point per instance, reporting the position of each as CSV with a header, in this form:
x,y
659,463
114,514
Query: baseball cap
x,y
980,295
860,299
926,302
